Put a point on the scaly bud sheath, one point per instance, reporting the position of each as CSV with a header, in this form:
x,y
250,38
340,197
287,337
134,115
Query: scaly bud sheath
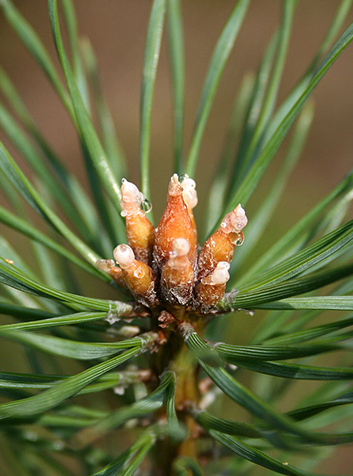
x,y
138,276
178,276
220,246
211,288
108,266
165,319
139,230
175,223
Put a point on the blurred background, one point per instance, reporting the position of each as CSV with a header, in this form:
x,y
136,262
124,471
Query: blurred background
x,y
117,30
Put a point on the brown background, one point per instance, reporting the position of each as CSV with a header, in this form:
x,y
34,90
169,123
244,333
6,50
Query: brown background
x,y
117,30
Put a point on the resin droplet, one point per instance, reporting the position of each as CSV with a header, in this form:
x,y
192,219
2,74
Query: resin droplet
x,y
181,247
220,246
220,275
178,276
139,230
124,256
190,198
189,191
138,276
211,288
146,206
175,223
239,240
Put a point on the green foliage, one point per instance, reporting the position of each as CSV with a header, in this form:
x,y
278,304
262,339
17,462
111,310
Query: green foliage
x,y
52,417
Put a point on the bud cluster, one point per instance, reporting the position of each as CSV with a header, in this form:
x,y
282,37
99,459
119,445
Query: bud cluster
x,y
161,267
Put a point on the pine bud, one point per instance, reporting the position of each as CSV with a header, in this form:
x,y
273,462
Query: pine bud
x,y
175,222
138,276
178,276
139,230
220,246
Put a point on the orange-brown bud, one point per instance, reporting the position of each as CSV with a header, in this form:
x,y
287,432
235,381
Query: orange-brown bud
x,y
175,223
139,230
211,288
108,266
178,275
220,246
138,276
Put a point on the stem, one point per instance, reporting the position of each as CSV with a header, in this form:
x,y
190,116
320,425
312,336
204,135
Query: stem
x,y
176,357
